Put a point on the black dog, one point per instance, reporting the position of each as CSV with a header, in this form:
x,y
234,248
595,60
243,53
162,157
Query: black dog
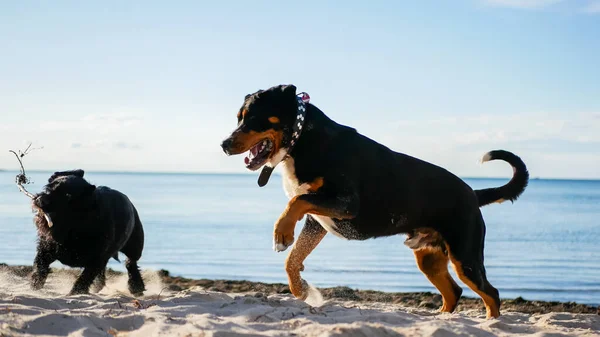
x,y
82,225
356,188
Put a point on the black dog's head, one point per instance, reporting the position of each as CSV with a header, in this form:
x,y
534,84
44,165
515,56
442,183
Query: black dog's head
x,y
66,198
265,122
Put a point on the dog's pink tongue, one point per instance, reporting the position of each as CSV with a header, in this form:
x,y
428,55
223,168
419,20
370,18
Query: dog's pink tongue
x,y
246,160
254,150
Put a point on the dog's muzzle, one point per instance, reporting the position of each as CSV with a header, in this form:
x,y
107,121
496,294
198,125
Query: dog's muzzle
x,y
226,146
39,202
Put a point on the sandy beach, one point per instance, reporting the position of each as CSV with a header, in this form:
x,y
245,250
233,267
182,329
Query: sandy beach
x,y
175,306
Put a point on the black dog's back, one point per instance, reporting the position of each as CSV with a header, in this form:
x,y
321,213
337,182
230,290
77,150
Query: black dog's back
x,y
120,212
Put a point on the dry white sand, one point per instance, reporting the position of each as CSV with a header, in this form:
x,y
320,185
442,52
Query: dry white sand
x,y
196,312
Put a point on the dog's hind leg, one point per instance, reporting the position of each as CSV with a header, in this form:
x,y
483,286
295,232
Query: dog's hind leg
x,y
46,254
135,282
309,238
85,280
473,275
133,250
467,259
433,262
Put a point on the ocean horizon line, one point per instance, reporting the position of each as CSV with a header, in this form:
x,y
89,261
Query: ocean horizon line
x,y
190,173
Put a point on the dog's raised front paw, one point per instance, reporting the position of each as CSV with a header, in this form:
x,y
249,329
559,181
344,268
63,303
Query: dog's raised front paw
x,y
280,243
278,247
283,234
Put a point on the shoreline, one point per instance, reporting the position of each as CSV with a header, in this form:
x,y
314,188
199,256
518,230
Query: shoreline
x,y
250,174
417,300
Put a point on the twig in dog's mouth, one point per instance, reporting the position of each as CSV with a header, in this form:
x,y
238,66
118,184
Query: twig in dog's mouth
x,y
21,178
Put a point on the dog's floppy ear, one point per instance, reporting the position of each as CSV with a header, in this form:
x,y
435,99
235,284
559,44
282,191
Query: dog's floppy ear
x,y
78,173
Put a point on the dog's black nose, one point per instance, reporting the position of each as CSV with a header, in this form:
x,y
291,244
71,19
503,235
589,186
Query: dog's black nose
x,y
226,145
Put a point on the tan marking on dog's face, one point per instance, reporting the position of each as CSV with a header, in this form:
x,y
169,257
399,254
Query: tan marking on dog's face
x,y
274,120
243,141
241,114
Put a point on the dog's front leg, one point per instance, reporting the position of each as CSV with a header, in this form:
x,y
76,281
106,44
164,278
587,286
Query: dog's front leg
x,y
46,254
309,238
87,277
339,207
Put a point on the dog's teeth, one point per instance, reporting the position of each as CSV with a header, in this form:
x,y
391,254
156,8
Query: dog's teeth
x,y
264,142
48,220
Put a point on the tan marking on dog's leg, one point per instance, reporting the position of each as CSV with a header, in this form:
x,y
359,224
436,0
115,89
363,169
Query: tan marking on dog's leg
x,y
283,233
307,241
434,264
492,307
316,184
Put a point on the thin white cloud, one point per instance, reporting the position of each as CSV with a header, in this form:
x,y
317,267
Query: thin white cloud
x,y
522,3
590,6
593,7
102,123
562,144
106,145
126,146
457,143
580,127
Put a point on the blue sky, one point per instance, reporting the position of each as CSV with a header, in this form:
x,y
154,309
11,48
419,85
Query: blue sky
x,y
155,86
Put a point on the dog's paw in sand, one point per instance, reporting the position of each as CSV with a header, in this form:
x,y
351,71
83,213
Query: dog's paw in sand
x,y
313,296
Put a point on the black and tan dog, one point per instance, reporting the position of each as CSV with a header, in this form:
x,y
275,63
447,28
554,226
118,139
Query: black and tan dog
x,y
82,225
356,188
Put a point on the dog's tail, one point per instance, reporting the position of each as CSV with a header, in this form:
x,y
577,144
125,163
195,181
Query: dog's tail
x,y
515,186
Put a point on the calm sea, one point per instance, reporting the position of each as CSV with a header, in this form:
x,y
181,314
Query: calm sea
x,y
545,246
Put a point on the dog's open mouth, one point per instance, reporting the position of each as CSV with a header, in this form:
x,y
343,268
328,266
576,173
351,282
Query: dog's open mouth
x,y
39,210
259,154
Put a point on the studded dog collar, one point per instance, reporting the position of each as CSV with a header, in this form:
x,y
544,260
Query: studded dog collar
x,y
302,100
